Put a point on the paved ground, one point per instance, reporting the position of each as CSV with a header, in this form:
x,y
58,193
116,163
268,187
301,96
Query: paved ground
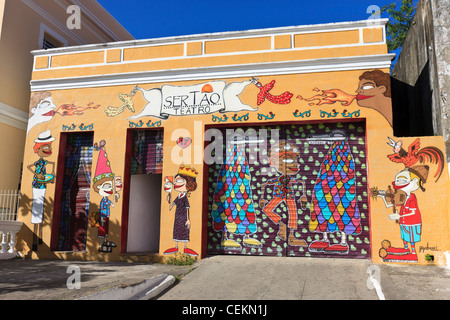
x,y
232,278
47,280
269,278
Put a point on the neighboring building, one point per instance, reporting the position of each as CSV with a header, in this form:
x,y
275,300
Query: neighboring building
x,y
27,25
262,142
421,77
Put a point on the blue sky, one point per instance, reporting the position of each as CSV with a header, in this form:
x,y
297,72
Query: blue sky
x,y
146,19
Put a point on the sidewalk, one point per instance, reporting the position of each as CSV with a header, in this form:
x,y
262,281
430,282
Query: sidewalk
x,y
47,280
289,278
230,278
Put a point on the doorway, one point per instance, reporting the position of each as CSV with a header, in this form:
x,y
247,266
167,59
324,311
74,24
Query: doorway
x,y
73,191
143,192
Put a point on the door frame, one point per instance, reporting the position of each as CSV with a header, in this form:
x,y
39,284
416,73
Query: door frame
x,y
57,206
127,185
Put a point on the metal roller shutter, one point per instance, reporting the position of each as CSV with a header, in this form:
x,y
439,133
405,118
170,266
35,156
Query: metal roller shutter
x,y
316,192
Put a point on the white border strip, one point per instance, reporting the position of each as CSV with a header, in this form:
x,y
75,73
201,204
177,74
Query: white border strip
x,y
318,28
13,117
218,72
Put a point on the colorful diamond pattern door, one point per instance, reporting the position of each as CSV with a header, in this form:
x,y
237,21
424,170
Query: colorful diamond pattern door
x,y
291,190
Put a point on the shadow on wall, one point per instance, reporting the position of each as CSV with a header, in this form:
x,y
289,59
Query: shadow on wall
x,y
412,106
28,240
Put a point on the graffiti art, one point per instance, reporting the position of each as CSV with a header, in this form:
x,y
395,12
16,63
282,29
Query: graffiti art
x,y
305,182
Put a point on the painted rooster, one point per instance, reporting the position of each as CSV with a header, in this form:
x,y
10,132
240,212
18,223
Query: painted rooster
x,y
415,155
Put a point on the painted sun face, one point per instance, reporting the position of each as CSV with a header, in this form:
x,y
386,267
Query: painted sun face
x,y
106,189
45,151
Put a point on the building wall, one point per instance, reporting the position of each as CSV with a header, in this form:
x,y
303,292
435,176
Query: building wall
x,y
421,74
2,9
22,26
308,75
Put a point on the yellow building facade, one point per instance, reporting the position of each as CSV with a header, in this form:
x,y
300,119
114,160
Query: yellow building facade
x,y
274,142
31,25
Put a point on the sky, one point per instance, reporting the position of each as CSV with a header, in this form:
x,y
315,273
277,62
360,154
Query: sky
x,y
146,19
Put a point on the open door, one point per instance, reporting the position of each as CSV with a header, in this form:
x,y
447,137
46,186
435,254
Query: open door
x,y
145,185
73,199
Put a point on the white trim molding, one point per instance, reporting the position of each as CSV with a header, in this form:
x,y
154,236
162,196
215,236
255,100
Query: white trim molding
x,y
218,72
13,117
304,29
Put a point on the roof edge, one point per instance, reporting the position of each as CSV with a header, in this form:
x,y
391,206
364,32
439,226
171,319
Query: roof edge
x,y
218,35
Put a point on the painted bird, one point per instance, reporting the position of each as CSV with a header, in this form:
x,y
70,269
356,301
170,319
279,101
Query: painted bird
x,y
284,98
415,154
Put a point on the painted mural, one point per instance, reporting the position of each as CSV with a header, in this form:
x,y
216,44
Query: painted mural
x,y
204,98
334,206
233,210
107,185
128,103
373,91
401,197
184,183
284,98
284,159
42,148
43,109
296,190
307,182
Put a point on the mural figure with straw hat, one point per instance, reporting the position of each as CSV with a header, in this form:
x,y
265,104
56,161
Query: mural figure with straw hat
x,y
43,148
106,184
407,181
184,183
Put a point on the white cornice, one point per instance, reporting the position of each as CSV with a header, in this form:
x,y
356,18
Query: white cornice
x,y
218,72
221,35
13,116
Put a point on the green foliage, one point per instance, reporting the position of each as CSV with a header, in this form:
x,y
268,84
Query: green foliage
x,y
429,257
180,259
400,19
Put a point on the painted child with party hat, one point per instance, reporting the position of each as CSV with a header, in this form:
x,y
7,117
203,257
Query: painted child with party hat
x,y
106,184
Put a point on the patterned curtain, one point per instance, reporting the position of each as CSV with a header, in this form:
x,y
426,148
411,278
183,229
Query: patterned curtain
x,y
147,152
76,186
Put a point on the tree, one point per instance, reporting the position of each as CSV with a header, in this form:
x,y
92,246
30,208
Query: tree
x,y
399,22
